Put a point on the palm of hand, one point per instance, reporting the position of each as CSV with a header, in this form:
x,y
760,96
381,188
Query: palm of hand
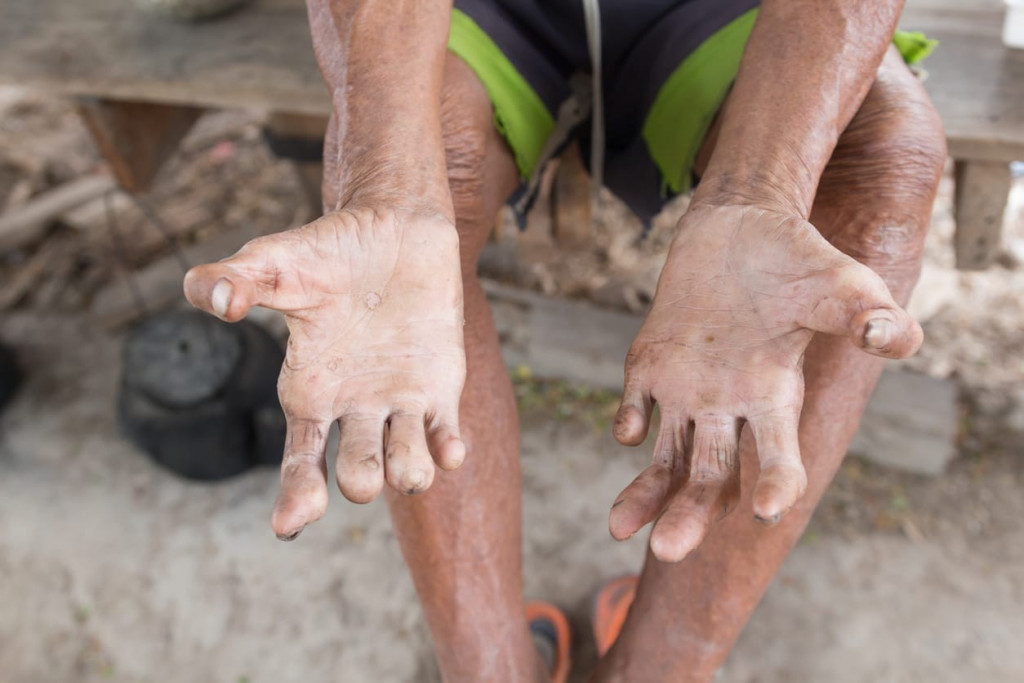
x,y
374,307
738,301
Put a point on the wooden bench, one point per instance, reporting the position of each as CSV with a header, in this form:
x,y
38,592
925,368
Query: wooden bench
x,y
977,85
142,79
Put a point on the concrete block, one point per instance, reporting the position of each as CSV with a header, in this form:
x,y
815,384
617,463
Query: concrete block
x,y
910,423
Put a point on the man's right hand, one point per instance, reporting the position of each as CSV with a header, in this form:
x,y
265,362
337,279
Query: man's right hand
x,y
373,303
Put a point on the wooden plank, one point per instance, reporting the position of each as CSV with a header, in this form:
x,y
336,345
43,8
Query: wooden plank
x,y
982,188
260,56
976,83
910,423
136,138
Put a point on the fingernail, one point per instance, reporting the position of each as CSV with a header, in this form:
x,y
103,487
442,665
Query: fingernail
x,y
292,536
221,296
878,333
415,480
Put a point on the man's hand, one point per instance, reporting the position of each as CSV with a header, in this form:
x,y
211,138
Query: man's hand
x,y
740,296
374,306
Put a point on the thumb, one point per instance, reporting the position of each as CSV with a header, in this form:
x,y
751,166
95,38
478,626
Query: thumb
x,y
858,305
223,289
633,418
886,332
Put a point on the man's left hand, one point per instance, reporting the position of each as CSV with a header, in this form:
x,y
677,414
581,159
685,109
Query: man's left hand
x,y
742,292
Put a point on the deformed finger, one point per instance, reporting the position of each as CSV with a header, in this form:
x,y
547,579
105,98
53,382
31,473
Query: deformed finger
x,y
228,288
690,514
782,480
633,418
407,463
856,303
445,441
710,491
360,463
887,332
303,495
715,452
640,502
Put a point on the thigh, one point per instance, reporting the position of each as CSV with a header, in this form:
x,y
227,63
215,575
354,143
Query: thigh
x,y
875,197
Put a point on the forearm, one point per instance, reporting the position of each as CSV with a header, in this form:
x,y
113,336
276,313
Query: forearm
x,y
807,67
383,62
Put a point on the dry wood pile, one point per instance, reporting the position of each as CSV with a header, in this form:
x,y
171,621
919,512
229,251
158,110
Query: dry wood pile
x,y
68,238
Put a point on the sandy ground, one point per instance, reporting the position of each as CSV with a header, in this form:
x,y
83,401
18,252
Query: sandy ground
x,y
114,570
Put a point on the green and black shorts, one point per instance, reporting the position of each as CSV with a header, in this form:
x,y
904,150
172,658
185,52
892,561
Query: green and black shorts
x,y
667,65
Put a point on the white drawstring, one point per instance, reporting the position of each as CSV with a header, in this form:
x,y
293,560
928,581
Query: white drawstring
x,y
592,20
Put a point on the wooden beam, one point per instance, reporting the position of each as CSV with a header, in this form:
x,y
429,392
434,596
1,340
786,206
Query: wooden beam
x,y
982,188
136,138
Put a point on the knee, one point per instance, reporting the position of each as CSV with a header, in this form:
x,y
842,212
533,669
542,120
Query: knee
x,y
897,148
464,157
465,150
465,133
885,174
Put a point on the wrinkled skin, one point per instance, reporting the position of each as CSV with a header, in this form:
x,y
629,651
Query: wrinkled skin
x,y
374,306
741,294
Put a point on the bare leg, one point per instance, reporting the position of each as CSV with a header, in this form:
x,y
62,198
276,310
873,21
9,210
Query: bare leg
x,y
873,203
462,537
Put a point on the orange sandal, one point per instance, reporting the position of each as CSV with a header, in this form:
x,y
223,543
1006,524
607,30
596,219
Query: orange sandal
x,y
549,625
610,607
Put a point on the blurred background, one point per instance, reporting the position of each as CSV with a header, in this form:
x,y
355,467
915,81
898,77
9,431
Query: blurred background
x,y
133,144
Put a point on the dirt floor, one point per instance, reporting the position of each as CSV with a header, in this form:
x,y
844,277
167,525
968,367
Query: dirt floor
x,y
114,570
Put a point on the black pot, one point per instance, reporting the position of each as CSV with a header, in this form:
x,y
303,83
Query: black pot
x,y
200,396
